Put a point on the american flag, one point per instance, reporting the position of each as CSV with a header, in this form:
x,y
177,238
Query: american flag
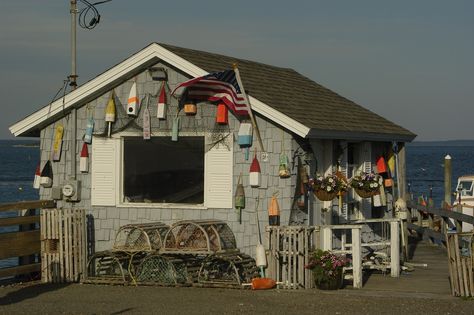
x,y
217,86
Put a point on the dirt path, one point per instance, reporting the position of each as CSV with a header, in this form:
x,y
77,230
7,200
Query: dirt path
x,y
96,299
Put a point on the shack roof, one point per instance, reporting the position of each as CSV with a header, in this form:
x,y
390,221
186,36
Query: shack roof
x,y
280,94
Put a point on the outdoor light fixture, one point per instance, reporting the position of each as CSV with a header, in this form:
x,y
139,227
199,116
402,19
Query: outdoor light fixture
x,y
158,74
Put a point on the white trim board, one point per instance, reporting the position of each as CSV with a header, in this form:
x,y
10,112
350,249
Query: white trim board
x,y
99,85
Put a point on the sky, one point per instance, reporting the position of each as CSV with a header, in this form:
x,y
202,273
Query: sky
x,y
409,61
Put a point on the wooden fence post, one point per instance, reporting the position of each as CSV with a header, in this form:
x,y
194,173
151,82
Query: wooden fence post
x,y
394,249
356,258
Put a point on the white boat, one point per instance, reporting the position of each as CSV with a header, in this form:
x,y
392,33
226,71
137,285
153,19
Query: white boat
x,y
465,197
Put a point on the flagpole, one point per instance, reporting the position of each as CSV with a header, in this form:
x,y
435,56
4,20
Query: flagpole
x,y
252,118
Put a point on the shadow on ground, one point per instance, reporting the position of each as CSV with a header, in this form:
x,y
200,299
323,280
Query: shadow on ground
x,y
29,291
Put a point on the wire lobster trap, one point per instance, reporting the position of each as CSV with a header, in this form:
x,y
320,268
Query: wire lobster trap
x,y
109,267
165,270
199,237
227,270
140,237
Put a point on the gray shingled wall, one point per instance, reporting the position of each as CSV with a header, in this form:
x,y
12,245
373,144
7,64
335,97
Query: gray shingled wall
x,y
107,220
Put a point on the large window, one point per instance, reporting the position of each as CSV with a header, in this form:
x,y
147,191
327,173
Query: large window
x,y
162,171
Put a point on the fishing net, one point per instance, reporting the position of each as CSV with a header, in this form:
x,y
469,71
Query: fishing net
x,y
140,237
199,236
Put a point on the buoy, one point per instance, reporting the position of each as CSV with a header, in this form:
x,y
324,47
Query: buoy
x,y
260,259
84,161
263,283
89,131
254,177
222,115
58,143
36,182
245,135
175,129
284,169
146,123
132,102
110,112
161,111
274,212
190,109
46,179
381,166
239,198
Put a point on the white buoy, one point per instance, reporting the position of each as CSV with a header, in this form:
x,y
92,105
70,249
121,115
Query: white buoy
x,y
36,182
84,161
46,179
260,257
132,103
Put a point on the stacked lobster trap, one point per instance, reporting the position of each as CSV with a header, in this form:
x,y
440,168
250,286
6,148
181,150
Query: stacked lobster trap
x,y
198,252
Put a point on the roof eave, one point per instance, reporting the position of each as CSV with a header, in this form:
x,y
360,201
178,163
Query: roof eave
x,y
315,133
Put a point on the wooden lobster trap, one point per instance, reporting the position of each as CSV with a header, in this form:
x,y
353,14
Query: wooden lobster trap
x,y
199,237
166,270
140,237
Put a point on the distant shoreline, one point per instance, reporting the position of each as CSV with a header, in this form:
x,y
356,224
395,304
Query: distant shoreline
x,y
444,143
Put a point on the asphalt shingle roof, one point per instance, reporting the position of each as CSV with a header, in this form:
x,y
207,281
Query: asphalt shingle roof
x,y
296,96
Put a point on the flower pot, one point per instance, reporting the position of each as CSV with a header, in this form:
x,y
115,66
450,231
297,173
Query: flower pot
x,y
366,194
333,283
323,195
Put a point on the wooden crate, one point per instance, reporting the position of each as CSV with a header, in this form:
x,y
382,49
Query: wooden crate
x,y
460,248
63,245
288,249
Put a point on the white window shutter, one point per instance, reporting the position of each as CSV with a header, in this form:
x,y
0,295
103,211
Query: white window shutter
x,y
366,166
104,177
218,171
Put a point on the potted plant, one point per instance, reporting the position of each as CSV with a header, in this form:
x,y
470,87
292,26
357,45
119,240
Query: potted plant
x,y
326,188
327,269
366,184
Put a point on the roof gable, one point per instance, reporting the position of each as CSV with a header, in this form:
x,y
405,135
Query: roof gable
x,y
279,94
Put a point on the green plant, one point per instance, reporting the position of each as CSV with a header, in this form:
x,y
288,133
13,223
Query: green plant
x,y
326,266
330,183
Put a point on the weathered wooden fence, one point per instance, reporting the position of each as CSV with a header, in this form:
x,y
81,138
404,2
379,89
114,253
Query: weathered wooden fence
x,y
460,248
24,241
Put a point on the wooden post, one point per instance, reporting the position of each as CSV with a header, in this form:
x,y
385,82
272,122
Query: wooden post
x,y
327,238
394,249
458,222
447,179
402,172
356,258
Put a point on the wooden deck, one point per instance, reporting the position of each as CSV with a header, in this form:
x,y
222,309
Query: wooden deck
x,y
430,280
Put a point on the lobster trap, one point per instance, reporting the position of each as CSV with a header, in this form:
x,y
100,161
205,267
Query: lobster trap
x,y
140,237
167,270
113,267
227,270
199,237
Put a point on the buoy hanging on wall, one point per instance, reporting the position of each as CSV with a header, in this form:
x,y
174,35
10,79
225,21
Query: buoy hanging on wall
x,y
175,129
36,182
58,143
284,168
146,122
240,198
132,102
190,109
222,114
254,176
89,131
84,160
274,212
161,110
46,179
245,135
110,112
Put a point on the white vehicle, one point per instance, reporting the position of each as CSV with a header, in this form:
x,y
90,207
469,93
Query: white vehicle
x,y
465,194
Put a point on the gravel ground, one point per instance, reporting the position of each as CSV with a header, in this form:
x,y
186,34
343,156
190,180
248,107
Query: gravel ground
x,y
98,299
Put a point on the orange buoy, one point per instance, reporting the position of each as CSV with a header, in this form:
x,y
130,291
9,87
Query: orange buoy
x,y
274,212
190,109
381,166
222,115
263,283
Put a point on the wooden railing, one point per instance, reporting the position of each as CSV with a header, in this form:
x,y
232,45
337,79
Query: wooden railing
x,y
26,241
425,224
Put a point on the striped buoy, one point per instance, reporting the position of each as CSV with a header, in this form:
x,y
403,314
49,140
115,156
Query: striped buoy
x,y
254,176
58,143
84,160
161,111
89,130
245,135
240,198
36,182
132,102
110,112
46,179
274,212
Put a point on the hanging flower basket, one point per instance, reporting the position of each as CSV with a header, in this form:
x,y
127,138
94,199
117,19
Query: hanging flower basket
x,y
324,195
366,193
